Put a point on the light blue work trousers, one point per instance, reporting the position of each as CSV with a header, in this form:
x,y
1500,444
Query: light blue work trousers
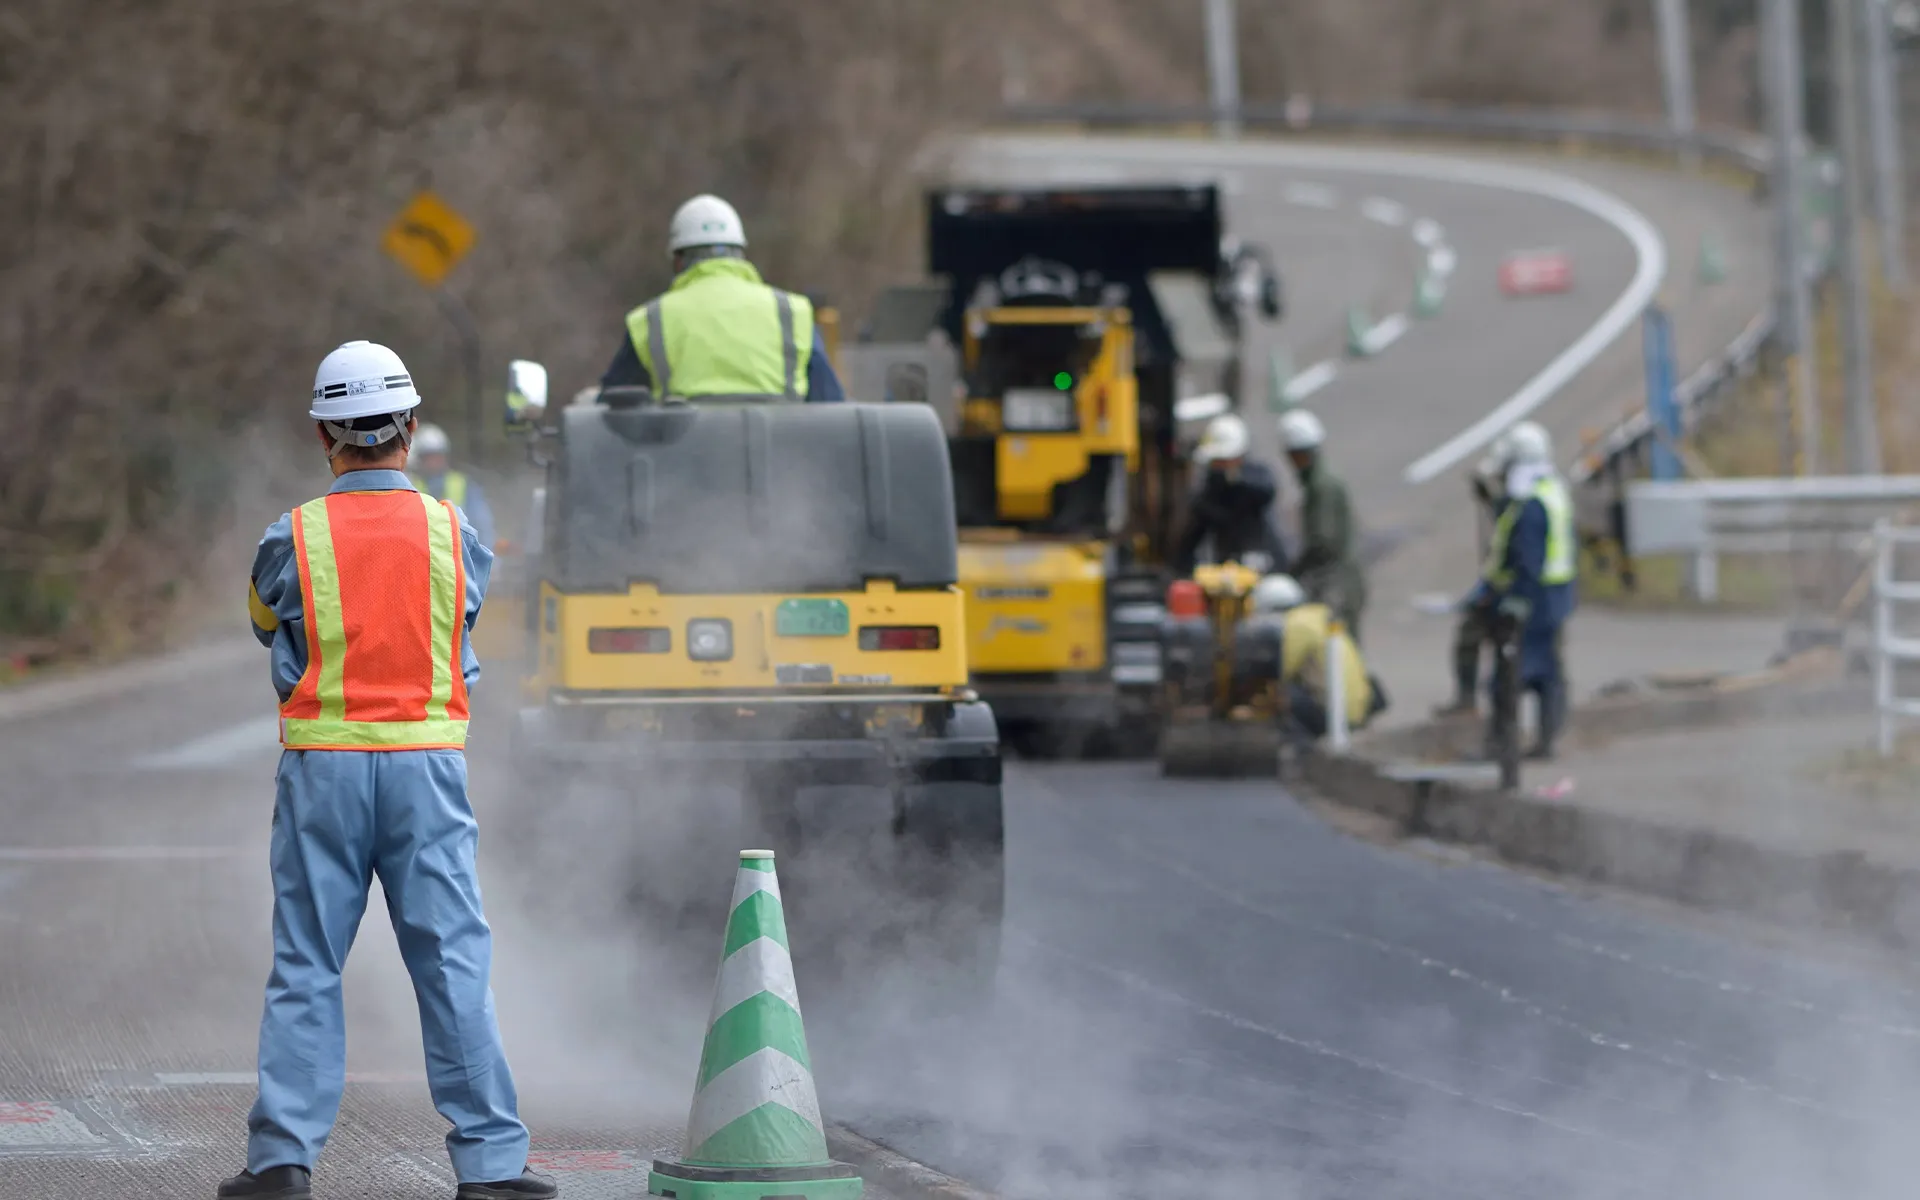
x,y
340,818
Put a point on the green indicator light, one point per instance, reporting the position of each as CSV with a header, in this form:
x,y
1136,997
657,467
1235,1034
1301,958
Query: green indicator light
x,y
1063,381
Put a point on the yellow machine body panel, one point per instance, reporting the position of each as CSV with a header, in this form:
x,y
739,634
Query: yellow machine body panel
x,y
1096,412
1034,606
640,641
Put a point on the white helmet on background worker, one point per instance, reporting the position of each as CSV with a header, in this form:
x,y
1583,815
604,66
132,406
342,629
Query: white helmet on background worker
x,y
705,221
1301,430
1277,593
1226,438
431,439
1529,445
359,380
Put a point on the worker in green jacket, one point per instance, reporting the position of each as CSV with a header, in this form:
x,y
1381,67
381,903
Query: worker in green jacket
x,y
1326,566
720,333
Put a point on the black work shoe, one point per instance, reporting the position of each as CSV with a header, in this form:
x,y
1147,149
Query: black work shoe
x,y
1540,752
528,1187
274,1183
1458,708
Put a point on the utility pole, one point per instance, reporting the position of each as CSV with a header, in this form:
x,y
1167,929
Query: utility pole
x,y
1862,428
1793,305
1676,71
1223,67
1883,124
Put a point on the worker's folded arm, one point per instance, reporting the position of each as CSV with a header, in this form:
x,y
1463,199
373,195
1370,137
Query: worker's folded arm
x,y
479,571
823,386
626,369
273,590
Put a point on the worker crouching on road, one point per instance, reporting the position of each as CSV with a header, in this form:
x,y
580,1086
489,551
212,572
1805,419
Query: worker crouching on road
x,y
367,597
1233,510
1305,630
1475,631
1327,567
1530,573
434,475
720,333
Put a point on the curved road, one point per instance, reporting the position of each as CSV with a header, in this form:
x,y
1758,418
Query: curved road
x,y
1208,990
1319,206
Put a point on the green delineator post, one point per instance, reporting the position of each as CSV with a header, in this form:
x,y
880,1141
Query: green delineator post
x,y
1713,260
1279,375
1428,294
1359,325
755,1129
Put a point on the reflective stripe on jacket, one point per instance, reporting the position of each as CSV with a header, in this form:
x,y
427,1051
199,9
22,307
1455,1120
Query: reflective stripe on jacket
x,y
1561,564
383,587
720,332
453,488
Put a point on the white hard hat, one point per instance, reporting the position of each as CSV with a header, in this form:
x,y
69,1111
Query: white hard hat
x,y
361,379
1528,443
1277,593
1301,430
357,381
1226,438
705,221
431,439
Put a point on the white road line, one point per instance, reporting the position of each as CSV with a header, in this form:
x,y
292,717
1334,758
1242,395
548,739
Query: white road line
x,y
1311,195
122,853
251,737
1428,233
243,1078
1441,260
1201,408
1649,250
1311,380
1385,334
1386,212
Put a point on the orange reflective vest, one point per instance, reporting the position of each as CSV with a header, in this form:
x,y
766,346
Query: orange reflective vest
x,y
384,586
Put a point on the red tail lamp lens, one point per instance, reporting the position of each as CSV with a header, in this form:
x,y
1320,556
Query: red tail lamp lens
x,y
899,637
1185,599
629,641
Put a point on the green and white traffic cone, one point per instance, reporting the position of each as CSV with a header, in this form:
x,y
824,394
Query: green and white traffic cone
x,y
755,1130
1359,325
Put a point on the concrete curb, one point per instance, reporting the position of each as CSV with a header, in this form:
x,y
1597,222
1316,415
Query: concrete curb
x,y
1844,891
895,1171
1808,683
1839,890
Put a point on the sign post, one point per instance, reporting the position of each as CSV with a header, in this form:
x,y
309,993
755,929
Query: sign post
x,y
1663,410
429,238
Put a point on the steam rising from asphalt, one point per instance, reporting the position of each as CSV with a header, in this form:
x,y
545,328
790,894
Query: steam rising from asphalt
x,y
1317,1050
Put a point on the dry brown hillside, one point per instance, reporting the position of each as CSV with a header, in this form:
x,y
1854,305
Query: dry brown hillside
x,y
191,193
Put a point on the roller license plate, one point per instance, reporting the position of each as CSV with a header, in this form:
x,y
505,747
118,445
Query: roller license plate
x,y
811,618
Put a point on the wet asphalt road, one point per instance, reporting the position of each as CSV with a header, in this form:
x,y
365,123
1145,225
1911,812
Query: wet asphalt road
x,y
1206,989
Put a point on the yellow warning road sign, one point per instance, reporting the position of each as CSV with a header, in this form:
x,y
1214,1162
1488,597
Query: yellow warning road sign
x,y
428,238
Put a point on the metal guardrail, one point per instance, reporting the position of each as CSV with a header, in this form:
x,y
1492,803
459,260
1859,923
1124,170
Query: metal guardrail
x,y
1621,449
1708,518
1890,649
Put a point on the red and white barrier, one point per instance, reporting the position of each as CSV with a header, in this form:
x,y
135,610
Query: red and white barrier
x,y
1536,272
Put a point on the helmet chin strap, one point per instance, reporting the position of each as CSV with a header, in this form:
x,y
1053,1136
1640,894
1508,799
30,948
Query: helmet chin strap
x,y
344,436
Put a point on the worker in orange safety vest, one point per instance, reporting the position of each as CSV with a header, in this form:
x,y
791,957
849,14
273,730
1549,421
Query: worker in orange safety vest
x,y
366,598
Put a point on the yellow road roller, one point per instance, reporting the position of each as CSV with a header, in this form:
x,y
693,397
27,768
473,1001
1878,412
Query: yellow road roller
x,y
754,606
